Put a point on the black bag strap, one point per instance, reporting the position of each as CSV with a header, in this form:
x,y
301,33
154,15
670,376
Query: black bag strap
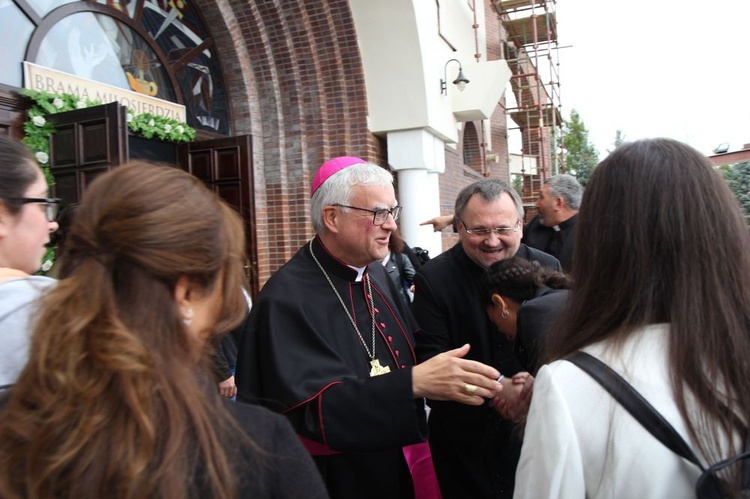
x,y
635,404
708,484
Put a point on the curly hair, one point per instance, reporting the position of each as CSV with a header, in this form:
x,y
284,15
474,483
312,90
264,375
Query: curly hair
x,y
519,279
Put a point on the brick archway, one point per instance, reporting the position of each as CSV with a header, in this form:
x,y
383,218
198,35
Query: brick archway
x,y
296,84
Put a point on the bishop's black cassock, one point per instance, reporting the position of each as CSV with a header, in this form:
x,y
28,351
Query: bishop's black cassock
x,y
302,357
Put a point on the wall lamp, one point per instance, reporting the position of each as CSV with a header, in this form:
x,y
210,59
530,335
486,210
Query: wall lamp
x,y
459,82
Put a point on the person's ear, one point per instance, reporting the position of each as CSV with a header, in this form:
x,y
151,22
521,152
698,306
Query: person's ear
x,y
498,300
331,218
184,293
5,219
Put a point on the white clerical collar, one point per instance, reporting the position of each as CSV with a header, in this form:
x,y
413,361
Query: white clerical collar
x,y
360,272
556,227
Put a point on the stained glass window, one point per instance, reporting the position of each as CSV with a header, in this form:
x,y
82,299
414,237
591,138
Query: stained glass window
x,y
168,43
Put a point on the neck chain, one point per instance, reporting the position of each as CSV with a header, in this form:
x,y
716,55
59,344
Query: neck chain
x,y
377,369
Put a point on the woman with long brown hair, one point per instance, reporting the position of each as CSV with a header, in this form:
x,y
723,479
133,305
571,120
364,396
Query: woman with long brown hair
x,y
115,400
662,297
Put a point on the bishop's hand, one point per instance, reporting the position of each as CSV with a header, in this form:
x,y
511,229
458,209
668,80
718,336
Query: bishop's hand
x,y
448,376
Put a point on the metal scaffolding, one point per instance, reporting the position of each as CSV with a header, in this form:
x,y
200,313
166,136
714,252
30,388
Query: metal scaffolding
x,y
529,36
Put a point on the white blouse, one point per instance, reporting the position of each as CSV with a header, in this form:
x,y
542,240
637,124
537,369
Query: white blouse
x,y
579,442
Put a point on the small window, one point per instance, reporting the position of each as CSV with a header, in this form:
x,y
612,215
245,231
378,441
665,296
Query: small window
x,y
471,149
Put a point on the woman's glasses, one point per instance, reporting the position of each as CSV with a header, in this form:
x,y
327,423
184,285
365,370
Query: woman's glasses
x,y
51,205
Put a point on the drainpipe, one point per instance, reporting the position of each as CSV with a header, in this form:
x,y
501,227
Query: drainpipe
x,y
484,169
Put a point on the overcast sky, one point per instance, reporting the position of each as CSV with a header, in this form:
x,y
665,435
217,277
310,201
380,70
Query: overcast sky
x,y
670,68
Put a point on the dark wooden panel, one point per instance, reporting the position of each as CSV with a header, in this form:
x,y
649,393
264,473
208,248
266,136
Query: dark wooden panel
x,y
13,108
232,194
94,142
88,142
227,163
200,165
66,187
63,148
100,134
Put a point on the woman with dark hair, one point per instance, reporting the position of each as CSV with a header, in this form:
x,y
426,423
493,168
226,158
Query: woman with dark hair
x,y
662,296
116,399
523,301
27,218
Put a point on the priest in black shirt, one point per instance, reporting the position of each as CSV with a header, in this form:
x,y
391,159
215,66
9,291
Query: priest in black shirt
x,y
472,448
553,229
330,346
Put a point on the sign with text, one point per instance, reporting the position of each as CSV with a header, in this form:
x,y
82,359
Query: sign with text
x,y
56,82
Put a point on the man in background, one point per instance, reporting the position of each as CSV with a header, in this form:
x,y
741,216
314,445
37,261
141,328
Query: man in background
x,y
553,229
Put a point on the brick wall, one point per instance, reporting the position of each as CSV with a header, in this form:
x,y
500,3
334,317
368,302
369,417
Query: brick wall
x,y
296,84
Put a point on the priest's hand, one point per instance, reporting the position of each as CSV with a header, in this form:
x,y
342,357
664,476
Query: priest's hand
x,y
439,223
448,376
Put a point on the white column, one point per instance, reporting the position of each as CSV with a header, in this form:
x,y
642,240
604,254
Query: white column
x,y
418,157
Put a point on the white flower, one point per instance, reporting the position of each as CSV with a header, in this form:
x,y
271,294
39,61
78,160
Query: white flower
x,y
58,103
130,117
167,128
46,265
81,104
180,129
151,123
39,121
42,157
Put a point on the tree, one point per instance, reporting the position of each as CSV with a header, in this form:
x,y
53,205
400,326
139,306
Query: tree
x,y
581,156
619,139
737,176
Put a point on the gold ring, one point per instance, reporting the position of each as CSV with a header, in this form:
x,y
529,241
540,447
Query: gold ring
x,y
470,389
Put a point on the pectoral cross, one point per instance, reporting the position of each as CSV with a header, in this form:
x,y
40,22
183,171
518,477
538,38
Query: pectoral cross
x,y
377,369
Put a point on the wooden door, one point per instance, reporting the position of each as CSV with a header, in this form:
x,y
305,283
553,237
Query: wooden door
x,y
87,142
225,165
12,112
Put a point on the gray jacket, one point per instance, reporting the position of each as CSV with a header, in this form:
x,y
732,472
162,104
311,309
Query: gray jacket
x,y
18,300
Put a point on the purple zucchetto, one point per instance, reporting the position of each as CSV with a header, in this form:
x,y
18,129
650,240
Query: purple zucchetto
x,y
332,166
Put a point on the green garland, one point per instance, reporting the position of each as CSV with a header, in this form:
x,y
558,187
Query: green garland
x,y
37,129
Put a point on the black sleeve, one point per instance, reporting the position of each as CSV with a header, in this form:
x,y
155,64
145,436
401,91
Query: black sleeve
x,y
225,358
220,365
535,320
432,316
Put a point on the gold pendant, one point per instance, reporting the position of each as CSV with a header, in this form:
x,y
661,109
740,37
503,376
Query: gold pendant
x,y
377,369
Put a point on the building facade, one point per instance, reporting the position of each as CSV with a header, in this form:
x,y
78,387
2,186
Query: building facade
x,y
299,82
